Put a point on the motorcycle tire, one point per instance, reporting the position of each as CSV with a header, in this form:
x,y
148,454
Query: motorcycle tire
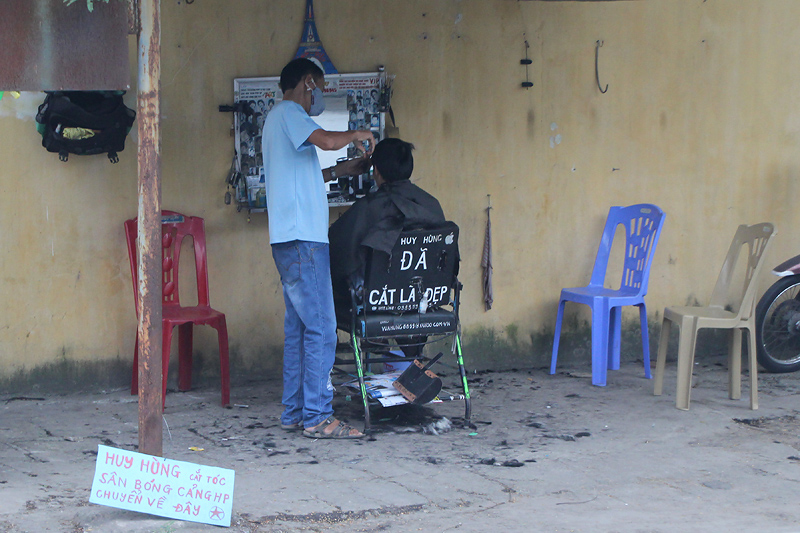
x,y
778,326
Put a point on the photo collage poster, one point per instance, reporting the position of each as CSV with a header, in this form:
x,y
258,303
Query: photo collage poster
x,y
351,102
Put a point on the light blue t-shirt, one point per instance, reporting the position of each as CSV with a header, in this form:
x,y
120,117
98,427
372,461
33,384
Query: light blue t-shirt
x,y
297,202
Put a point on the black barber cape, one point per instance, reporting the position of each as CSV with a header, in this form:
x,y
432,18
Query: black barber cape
x,y
376,222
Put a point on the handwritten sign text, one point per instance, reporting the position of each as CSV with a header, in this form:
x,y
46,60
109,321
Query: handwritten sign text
x,y
162,487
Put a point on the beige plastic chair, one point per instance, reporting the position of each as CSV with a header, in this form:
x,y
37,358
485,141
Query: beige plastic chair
x,y
719,315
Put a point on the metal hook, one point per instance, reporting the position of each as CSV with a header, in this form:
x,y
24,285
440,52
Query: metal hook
x,y
489,201
597,46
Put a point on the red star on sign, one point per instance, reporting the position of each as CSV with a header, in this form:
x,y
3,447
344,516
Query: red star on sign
x,y
217,513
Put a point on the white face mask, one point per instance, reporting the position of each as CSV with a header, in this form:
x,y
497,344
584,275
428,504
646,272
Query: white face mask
x,y
317,101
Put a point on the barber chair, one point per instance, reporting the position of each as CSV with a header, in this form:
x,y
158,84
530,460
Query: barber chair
x,y
408,298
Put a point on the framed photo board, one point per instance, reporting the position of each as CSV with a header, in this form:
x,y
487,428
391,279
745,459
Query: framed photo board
x,y
352,102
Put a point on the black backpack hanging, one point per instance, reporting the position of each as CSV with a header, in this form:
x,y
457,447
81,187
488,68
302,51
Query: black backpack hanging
x,y
84,123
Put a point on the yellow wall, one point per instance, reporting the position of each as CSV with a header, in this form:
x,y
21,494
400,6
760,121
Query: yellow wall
x,y
702,117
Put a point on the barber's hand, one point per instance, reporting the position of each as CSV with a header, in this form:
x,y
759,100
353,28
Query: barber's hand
x,y
364,135
353,167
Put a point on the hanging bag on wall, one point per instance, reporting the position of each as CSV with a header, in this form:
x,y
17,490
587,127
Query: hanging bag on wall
x,y
84,123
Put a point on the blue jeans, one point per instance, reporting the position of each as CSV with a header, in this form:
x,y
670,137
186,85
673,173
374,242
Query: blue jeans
x,y
310,331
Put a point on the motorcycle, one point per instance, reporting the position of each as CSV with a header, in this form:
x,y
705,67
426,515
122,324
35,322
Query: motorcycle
x,y
778,320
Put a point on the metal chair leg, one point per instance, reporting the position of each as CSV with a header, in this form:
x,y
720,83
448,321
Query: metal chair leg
x,y
463,371
362,386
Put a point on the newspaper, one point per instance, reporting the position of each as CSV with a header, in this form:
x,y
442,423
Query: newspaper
x,y
379,387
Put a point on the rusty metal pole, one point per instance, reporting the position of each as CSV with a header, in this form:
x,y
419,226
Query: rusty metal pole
x,y
149,239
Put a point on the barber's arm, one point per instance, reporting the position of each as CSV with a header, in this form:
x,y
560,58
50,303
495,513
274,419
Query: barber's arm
x,y
351,167
335,140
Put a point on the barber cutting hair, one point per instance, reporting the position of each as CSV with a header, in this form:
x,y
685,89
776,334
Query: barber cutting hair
x,y
297,204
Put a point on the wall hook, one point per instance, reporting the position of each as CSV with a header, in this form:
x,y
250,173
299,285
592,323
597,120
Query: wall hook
x,y
597,46
527,83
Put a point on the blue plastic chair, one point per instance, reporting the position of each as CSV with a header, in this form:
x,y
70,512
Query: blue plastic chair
x,y
642,224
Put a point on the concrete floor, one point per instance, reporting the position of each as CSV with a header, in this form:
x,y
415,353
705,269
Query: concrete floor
x,y
591,459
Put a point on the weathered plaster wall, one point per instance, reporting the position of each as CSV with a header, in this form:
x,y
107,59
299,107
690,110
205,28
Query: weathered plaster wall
x,y
701,118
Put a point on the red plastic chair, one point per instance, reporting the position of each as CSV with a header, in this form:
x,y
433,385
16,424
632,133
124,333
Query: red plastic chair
x,y
174,228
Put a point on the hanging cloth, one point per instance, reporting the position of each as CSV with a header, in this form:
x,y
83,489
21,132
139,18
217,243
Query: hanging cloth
x,y
486,263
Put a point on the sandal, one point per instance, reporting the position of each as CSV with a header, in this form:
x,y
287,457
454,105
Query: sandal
x,y
297,426
336,430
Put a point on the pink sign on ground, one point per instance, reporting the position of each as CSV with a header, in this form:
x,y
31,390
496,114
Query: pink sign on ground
x,y
162,487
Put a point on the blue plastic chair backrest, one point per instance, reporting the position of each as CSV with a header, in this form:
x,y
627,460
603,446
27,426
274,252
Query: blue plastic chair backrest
x,y
642,224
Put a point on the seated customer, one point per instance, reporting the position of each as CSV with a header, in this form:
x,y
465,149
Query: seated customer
x,y
377,220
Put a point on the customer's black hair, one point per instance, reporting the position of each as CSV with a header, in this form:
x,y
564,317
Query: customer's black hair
x,y
295,70
392,157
